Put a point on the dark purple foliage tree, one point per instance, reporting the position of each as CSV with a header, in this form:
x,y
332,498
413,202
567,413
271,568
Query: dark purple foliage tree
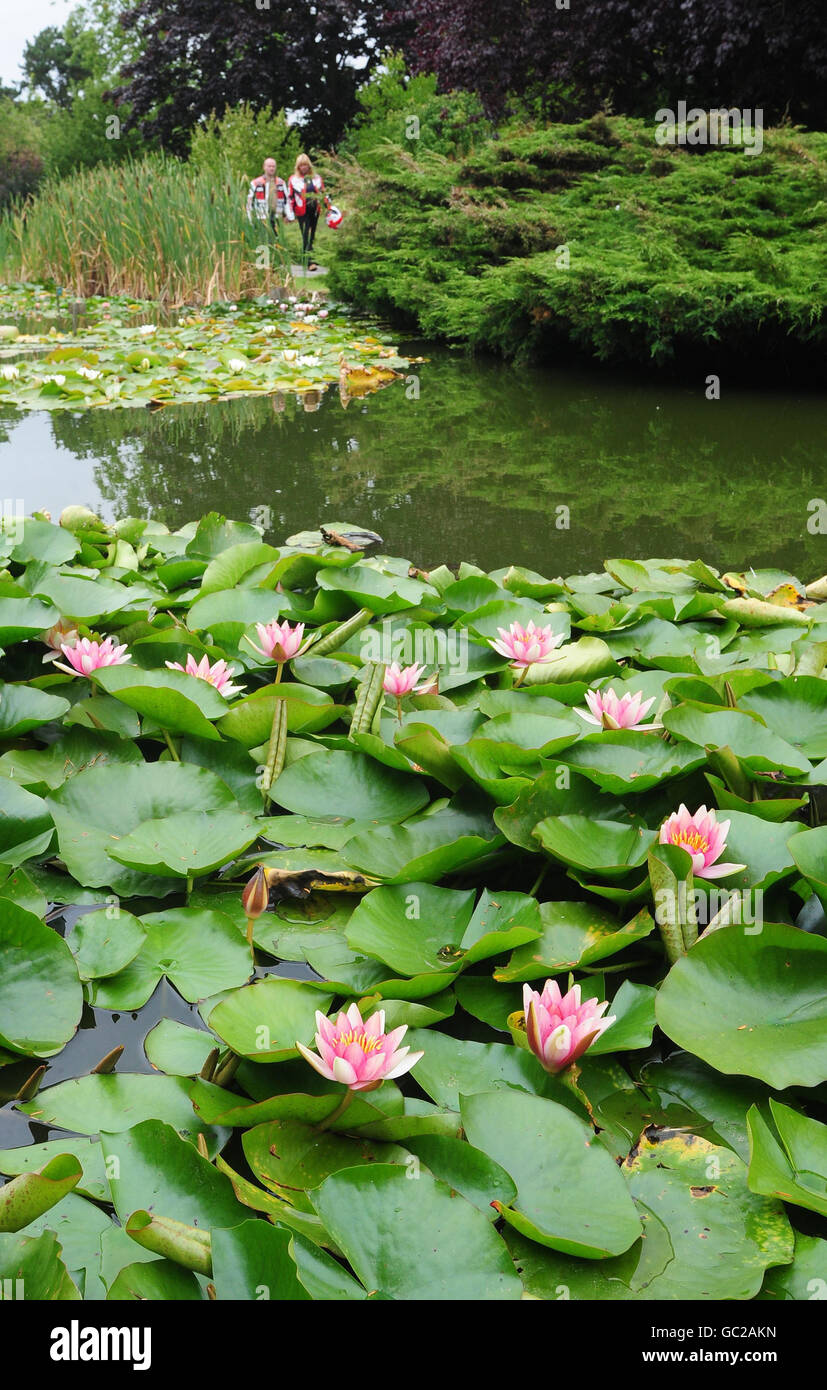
x,y
635,54
199,56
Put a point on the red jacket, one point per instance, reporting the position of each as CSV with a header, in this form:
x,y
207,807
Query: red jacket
x,y
302,189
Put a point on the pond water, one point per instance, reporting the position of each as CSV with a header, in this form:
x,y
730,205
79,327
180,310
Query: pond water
x,y
473,459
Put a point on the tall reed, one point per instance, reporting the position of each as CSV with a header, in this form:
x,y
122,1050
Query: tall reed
x,y
155,228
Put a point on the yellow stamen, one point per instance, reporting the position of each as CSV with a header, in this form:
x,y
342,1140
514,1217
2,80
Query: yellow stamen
x,y
367,1044
693,840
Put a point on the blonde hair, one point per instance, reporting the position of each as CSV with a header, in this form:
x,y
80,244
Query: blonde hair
x,y
303,159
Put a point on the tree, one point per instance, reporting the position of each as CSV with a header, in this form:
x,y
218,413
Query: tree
x,y
52,65
71,68
203,56
634,54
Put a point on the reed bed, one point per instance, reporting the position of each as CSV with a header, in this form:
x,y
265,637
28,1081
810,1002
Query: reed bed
x,y
155,228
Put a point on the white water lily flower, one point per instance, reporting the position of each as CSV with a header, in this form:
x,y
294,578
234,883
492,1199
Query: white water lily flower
x,y
311,318
58,380
9,373
147,328
309,361
113,389
268,328
89,373
145,364
236,364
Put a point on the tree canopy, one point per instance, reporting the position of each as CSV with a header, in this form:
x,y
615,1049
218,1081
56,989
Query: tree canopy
x,y
207,55
632,54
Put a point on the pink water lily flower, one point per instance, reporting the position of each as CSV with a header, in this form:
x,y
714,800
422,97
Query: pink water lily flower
x,y
608,711
279,641
525,645
559,1028
359,1054
703,836
54,637
401,680
86,656
218,675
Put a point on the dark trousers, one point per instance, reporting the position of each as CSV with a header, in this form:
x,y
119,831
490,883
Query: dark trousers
x,y
308,225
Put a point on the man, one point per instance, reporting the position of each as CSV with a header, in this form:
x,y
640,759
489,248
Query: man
x,y
268,198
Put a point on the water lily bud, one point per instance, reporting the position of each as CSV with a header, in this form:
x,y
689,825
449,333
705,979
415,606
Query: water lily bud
x,y
80,518
256,895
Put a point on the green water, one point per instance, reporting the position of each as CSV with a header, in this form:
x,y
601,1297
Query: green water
x,y
476,468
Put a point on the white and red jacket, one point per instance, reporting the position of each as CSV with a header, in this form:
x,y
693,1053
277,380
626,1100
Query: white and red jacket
x,y
300,189
259,198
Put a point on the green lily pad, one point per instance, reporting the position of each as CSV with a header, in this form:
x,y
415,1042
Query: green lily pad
x,y
417,927
199,950
606,848
809,852
189,844
758,747
34,1265
102,803
795,708
26,1197
354,784
41,998
93,1181
794,1169
23,707
573,934
264,1020
801,1280
154,1281
253,1262
104,942
751,1003
291,1158
90,1104
450,839
577,1203
179,703
151,1167
177,1049
402,1237
26,826
623,761
693,1197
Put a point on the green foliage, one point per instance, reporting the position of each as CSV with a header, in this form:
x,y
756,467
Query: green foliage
x,y
400,110
591,236
404,864
21,165
152,228
72,69
243,138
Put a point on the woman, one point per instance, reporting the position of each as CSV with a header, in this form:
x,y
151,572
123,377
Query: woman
x,y
306,193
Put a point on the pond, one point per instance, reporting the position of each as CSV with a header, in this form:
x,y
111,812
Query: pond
x,y
468,458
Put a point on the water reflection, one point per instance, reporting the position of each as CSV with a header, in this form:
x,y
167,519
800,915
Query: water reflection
x,y
479,467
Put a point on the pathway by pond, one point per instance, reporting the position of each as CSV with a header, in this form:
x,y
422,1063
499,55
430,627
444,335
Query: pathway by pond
x,y
470,459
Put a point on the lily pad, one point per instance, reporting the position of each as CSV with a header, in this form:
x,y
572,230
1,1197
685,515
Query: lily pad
x,y
751,1003
41,998
402,1237
570,1193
